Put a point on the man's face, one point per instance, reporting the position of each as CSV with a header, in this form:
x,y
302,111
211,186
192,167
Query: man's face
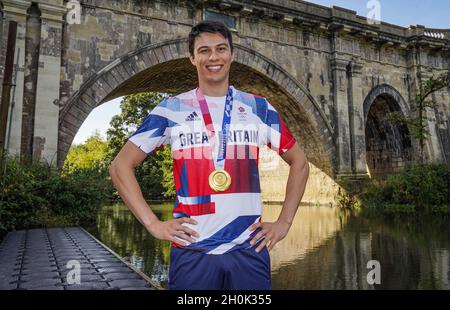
x,y
212,57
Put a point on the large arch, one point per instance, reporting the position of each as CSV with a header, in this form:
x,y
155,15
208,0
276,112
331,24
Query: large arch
x,y
388,144
156,66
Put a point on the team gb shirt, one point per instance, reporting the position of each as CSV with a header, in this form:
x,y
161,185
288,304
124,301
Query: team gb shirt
x,y
224,217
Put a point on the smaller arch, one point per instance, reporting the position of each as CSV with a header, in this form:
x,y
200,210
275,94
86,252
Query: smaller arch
x,y
385,90
388,144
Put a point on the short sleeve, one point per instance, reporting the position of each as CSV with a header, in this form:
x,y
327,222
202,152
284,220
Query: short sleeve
x,y
276,135
154,132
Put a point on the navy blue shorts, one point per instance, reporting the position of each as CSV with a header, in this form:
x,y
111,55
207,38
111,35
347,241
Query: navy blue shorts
x,y
242,269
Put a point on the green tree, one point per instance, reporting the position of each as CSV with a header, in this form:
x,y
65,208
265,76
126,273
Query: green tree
x,y
87,156
417,121
155,173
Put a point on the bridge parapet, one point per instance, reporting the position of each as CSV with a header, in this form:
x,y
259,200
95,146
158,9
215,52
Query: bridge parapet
x,y
317,18
434,33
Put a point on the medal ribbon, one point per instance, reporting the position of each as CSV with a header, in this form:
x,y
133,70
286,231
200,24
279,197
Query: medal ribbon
x,y
210,128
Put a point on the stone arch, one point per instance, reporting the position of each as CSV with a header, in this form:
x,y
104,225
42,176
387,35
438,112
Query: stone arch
x,y
388,145
385,90
149,68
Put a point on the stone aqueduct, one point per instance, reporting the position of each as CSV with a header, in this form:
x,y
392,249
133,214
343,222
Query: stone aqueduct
x,y
331,74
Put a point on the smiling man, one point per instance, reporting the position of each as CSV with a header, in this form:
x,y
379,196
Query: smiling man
x,y
215,132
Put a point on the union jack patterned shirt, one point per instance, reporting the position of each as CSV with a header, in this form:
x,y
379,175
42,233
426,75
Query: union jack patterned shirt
x,y
224,217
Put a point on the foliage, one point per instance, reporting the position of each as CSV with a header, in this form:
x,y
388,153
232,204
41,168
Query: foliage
x,y
417,121
347,201
87,156
419,188
155,173
38,195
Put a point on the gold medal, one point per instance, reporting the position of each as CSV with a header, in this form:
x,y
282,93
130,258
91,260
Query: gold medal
x,y
219,180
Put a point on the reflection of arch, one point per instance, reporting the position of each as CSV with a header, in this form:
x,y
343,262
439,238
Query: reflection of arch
x,y
154,67
311,227
388,145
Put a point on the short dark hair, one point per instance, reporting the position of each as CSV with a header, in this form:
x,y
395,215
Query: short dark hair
x,y
210,26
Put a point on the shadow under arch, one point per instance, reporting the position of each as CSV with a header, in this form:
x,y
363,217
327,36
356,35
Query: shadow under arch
x,y
385,90
388,144
155,68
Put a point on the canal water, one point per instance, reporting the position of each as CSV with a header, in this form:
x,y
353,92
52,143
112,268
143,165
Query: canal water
x,y
325,249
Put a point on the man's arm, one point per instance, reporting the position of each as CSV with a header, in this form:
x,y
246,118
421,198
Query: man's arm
x,y
122,174
295,188
298,176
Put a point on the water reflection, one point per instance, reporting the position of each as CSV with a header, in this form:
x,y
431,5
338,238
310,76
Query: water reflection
x,y
119,230
311,228
411,256
325,249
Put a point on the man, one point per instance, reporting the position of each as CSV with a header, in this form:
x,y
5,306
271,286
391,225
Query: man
x,y
215,131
